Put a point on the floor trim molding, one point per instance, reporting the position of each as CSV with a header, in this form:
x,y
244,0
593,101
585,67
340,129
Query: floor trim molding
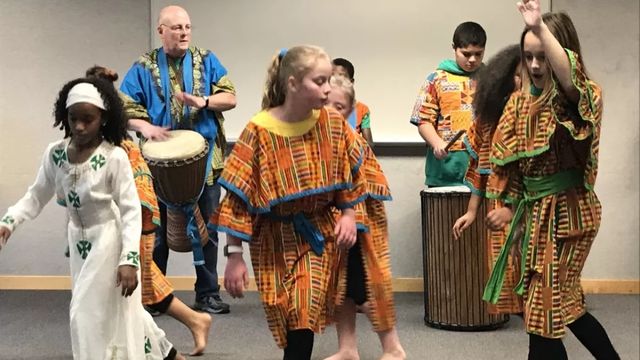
x,y
399,284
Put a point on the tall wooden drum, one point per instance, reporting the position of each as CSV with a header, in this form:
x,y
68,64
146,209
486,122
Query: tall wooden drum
x,y
455,271
178,166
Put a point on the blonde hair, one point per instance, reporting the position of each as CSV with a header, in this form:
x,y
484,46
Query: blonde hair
x,y
344,84
296,62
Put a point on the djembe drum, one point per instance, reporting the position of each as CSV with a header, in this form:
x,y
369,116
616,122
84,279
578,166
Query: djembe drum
x,y
455,271
178,166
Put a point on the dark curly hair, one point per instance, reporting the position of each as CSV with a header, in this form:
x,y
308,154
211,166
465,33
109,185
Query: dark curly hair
x,y
115,127
101,72
495,83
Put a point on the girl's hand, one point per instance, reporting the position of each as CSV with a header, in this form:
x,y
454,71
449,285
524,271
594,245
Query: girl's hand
x,y
235,275
530,10
127,278
462,223
346,230
497,219
4,236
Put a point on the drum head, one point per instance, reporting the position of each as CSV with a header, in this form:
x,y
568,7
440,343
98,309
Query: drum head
x,y
181,145
448,189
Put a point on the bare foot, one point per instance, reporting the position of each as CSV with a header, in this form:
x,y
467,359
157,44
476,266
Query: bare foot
x,y
345,355
180,357
200,331
397,354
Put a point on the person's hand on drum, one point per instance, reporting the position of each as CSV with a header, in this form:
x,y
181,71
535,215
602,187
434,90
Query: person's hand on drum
x,y
4,236
236,277
153,132
462,223
190,100
345,229
440,149
498,218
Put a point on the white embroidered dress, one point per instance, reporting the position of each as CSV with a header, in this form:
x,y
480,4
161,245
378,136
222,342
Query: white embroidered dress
x,y
103,232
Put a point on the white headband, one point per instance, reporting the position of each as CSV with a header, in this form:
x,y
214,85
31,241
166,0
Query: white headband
x,y
85,92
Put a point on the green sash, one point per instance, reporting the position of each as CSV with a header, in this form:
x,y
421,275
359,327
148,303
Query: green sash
x,y
535,188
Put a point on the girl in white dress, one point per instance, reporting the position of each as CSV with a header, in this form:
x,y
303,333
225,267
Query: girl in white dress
x,y
93,175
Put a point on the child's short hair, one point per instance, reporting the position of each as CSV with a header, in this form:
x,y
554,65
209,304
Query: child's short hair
x,y
347,65
114,129
469,33
344,84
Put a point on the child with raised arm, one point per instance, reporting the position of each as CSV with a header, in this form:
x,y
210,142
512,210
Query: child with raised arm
x,y
544,160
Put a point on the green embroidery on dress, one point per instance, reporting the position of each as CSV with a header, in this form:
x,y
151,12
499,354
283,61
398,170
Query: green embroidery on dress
x,y
74,199
147,345
8,220
134,257
83,247
97,161
59,157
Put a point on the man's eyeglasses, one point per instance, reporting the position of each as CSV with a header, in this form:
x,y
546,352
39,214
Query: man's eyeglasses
x,y
179,28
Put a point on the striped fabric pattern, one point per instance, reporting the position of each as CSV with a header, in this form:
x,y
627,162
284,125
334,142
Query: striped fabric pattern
x,y
445,101
269,177
155,286
374,244
477,141
563,225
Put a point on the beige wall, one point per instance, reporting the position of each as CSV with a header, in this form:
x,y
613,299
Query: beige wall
x,y
49,42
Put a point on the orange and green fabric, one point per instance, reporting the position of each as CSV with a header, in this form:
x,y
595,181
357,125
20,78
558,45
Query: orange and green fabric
x,y
546,166
155,286
373,236
360,117
445,101
283,181
477,141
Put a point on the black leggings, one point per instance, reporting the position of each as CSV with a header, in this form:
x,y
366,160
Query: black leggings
x,y
172,354
588,331
163,305
356,288
299,345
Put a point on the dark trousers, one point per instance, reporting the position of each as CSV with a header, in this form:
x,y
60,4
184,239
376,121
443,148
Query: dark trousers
x,y
207,274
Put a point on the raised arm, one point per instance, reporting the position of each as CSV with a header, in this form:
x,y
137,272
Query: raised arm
x,y
554,52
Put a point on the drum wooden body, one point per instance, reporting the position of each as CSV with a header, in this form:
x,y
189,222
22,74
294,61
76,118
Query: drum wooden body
x,y
455,271
179,166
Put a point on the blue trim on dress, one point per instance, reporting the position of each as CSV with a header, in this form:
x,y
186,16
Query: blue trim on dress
x,y
359,163
473,188
362,227
467,145
256,210
239,235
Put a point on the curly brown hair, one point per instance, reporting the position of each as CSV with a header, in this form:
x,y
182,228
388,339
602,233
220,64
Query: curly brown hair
x,y
495,83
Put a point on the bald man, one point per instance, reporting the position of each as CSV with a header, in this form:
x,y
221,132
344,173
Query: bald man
x,y
179,86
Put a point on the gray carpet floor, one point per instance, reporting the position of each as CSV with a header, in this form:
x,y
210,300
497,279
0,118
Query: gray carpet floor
x,y
34,326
